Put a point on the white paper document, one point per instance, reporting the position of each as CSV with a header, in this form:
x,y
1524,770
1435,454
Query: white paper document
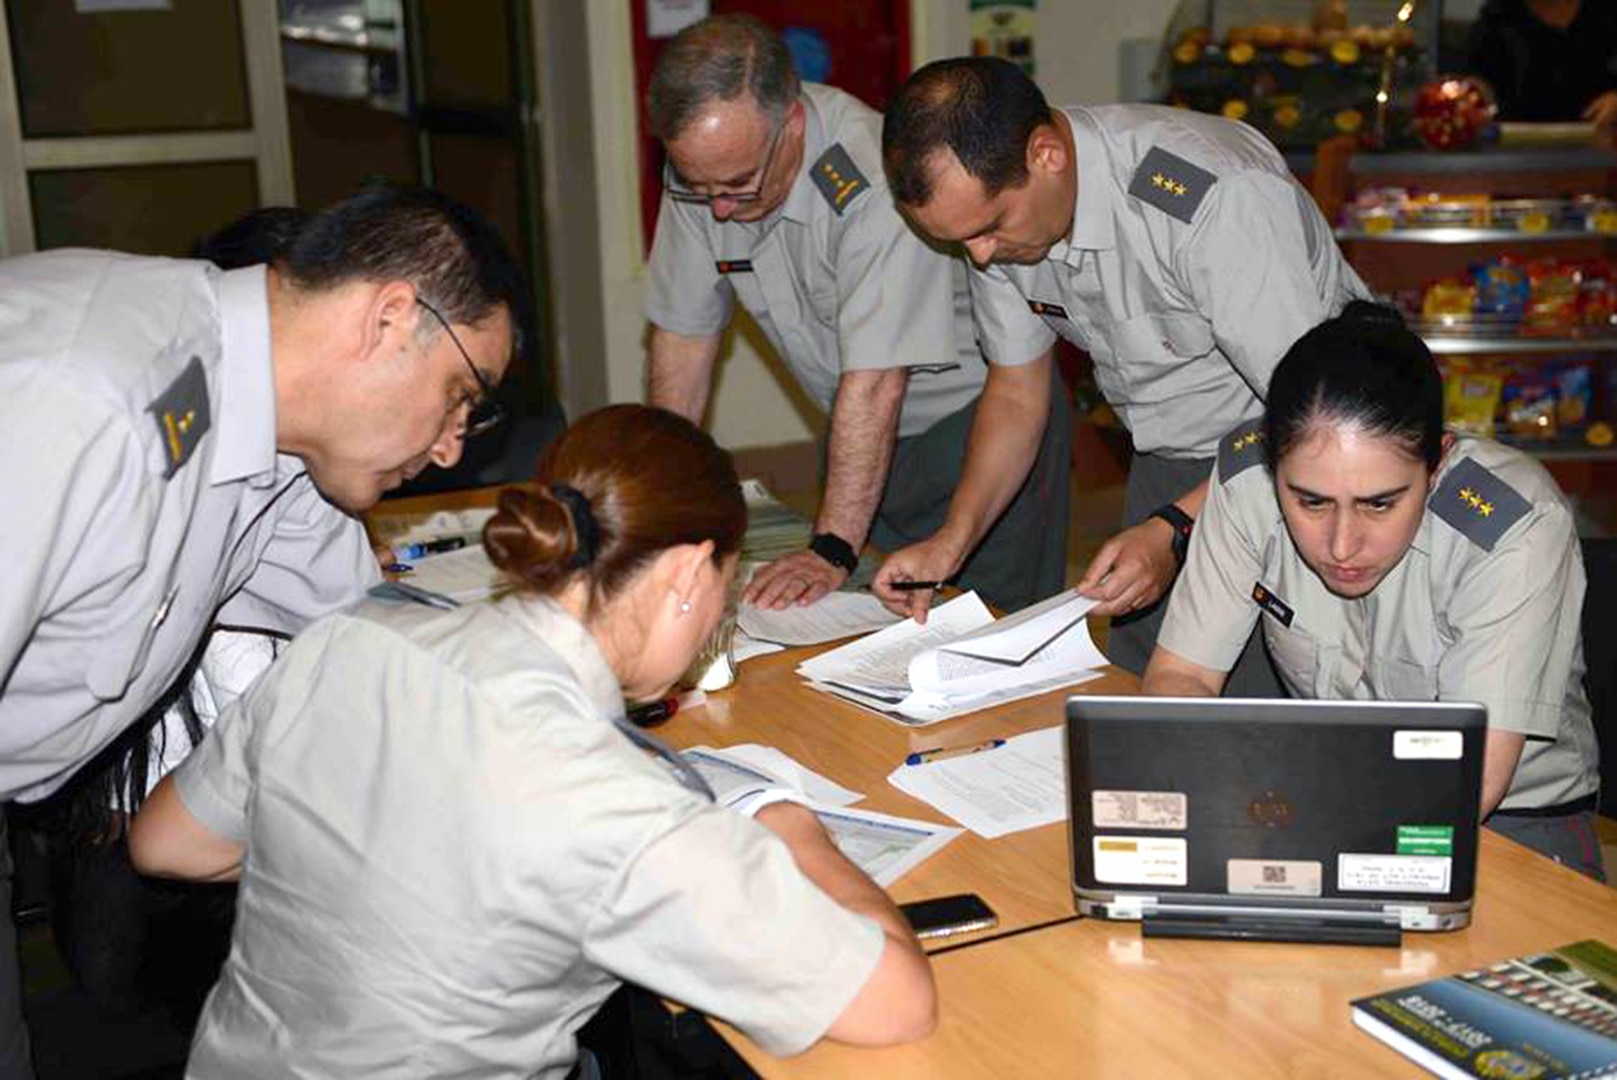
x,y
835,615
1020,785
464,575
962,660
883,846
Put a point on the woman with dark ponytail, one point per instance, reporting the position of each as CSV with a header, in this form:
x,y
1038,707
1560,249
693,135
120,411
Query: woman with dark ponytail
x,y
451,844
1390,559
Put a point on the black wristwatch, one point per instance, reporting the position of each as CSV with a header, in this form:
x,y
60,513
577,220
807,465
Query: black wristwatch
x,y
1181,523
835,550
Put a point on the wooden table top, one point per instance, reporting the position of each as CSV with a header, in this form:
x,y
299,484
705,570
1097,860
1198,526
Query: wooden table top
x,y
1093,997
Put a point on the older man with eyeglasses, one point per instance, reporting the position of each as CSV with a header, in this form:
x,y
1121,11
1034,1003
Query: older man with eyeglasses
x,y
187,447
774,196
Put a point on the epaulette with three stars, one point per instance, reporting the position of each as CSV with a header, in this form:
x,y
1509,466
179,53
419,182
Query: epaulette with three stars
x,y
1171,184
1479,505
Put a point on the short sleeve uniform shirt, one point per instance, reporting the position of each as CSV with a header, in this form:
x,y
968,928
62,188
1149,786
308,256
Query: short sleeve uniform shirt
x,y
1195,260
833,277
1483,607
453,857
142,494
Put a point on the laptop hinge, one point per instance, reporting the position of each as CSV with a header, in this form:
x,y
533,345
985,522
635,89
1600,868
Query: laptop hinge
x,y
1323,930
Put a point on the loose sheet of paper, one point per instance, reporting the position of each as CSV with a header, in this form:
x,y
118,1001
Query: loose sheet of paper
x,y
835,615
465,575
883,846
1020,785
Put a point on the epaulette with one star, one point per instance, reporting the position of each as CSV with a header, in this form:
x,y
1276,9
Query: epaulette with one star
x,y
1171,184
838,178
1240,450
182,416
1479,505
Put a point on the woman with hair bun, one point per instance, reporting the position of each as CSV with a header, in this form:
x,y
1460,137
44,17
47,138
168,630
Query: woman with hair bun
x,y
1388,559
452,846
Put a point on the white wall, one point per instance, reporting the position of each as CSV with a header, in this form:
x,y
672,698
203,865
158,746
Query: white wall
x,y
1077,57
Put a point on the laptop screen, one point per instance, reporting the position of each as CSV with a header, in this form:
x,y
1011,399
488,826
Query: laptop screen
x,y
1312,805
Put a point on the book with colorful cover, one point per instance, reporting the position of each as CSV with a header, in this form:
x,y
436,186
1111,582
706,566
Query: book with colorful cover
x,y
1546,1016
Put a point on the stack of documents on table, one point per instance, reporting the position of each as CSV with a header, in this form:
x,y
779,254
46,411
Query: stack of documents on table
x,y
464,574
883,846
1020,785
834,615
962,660
773,528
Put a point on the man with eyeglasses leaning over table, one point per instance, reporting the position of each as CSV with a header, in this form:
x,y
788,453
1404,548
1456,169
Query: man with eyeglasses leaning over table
x,y
774,195
186,447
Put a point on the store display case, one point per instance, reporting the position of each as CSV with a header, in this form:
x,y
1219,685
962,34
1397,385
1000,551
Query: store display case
x,y
1505,262
1302,71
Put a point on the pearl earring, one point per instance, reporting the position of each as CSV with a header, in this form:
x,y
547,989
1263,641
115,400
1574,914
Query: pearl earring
x,y
684,607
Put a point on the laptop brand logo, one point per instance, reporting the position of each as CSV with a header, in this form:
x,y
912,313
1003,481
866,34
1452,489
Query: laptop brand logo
x,y
1270,810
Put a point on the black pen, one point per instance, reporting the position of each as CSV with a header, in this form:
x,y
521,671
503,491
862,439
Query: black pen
x,y
913,586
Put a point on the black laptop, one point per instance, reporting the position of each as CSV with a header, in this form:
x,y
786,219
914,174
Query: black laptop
x,y
1343,821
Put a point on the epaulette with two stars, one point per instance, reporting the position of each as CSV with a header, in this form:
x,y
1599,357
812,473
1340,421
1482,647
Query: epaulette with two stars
x,y
1171,184
838,178
1479,505
1240,450
182,416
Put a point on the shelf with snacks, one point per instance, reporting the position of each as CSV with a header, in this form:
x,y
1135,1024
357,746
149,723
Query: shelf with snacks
x,y
1393,216
1514,289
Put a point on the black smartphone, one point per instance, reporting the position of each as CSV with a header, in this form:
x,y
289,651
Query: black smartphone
x,y
945,915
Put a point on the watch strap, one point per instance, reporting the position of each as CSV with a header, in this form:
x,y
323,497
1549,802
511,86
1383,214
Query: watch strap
x,y
1182,525
835,550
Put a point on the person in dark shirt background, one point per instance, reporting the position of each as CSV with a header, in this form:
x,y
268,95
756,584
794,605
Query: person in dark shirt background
x,y
1549,59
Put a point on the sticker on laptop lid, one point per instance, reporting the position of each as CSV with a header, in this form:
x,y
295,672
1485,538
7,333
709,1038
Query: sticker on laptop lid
x,y
1274,877
1393,873
1426,840
1141,860
1140,809
1427,745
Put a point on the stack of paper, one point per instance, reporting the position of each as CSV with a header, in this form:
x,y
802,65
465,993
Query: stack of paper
x,y
883,846
962,660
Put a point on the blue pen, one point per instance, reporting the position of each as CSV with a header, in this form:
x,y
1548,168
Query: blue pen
x,y
429,547
942,753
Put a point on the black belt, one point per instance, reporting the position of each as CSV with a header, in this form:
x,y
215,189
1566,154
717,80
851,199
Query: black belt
x,y
1566,809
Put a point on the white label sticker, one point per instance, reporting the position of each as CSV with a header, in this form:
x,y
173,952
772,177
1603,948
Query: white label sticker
x,y
1394,873
1427,745
1140,809
1141,860
1275,877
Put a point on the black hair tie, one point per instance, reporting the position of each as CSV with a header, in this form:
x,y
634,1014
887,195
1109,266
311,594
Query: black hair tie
x,y
585,527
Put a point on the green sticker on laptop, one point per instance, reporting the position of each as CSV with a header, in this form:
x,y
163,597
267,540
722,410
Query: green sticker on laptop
x,y
1426,840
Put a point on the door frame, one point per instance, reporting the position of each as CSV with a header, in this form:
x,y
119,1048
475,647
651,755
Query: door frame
x,y
266,143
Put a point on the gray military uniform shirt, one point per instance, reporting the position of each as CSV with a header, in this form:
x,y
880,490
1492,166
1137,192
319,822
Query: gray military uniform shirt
x,y
1195,260
834,277
1483,607
142,495
453,856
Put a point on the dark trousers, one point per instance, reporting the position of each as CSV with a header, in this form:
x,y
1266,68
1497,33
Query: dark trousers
x,y
1569,839
1023,558
138,945
1153,481
16,1062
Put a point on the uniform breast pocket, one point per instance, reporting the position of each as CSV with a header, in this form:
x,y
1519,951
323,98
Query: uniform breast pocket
x,y
1295,653
120,659
1152,355
1404,680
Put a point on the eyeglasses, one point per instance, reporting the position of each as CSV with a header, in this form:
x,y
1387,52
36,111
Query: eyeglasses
x,y
679,191
485,410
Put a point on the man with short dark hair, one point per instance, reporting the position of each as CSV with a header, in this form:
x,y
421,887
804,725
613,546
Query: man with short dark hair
x,y
775,197
184,446
1175,248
